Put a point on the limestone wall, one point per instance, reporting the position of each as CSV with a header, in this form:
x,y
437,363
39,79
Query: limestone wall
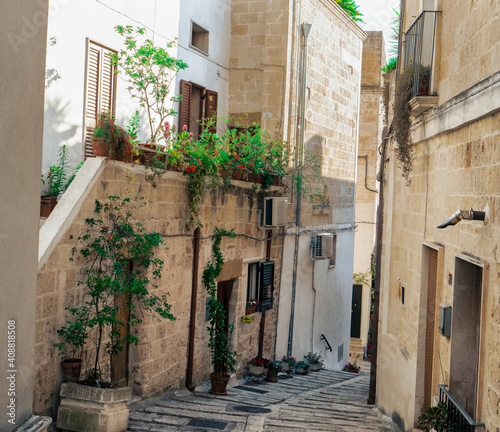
x,y
454,171
158,362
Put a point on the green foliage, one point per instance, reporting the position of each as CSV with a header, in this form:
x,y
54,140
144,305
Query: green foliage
x,y
436,418
116,140
402,122
151,71
303,365
70,180
351,8
56,177
313,358
394,39
119,260
222,358
391,65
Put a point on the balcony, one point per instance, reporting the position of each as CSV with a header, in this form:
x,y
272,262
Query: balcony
x,y
419,42
458,419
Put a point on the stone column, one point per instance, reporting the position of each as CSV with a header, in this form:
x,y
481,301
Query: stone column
x,y
23,39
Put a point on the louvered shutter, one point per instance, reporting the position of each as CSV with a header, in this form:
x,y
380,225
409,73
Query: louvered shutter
x,y
211,109
266,285
185,105
100,91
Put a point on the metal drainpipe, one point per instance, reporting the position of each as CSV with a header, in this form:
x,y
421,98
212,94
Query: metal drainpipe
x,y
366,173
192,320
306,28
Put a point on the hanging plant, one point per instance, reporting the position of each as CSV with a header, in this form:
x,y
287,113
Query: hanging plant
x,y
402,122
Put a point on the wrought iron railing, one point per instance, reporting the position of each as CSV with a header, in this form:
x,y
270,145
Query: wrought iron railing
x,y
458,419
419,51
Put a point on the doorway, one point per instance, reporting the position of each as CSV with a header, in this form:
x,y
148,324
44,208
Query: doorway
x,y
465,334
357,295
224,292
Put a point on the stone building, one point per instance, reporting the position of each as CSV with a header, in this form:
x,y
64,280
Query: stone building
x,y
370,133
247,55
439,327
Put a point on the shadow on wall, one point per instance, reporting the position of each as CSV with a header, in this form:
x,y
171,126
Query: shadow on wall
x,y
56,132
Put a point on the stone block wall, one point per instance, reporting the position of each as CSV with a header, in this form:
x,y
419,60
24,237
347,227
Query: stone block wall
x,y
454,171
158,362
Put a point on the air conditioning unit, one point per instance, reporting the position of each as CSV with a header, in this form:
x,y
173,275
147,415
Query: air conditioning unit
x,y
275,212
322,246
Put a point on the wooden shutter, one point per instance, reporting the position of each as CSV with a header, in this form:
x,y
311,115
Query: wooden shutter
x,y
266,285
185,104
100,89
211,109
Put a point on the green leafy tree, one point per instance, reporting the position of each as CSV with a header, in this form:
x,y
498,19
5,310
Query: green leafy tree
x,y
351,8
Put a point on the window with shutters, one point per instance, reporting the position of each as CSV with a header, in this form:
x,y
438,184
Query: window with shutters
x,y
260,284
100,89
197,109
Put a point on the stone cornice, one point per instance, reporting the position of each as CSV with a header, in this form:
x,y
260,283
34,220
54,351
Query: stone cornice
x,y
346,19
365,89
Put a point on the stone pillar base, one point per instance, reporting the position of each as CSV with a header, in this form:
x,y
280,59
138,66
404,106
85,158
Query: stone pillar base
x,y
35,424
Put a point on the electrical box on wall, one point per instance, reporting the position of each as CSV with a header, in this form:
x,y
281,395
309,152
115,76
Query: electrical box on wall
x,y
445,319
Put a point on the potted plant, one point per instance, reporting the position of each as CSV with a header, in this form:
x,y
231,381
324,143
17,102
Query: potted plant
x,y
273,368
223,359
369,352
288,363
111,140
118,258
258,366
435,418
302,368
74,336
315,360
247,319
251,306
56,180
352,366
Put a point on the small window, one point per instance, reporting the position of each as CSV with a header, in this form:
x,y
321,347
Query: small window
x,y
333,259
199,38
260,285
403,289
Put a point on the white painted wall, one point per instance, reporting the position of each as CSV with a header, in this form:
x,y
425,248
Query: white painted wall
x,y
324,309
72,22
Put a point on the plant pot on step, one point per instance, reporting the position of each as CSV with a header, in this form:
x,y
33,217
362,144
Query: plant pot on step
x,y
71,369
316,367
47,204
219,384
93,409
98,147
302,371
285,367
272,375
256,370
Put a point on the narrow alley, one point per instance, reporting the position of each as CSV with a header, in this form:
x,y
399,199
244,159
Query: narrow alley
x,y
319,401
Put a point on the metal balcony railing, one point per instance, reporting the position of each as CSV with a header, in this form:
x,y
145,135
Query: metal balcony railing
x,y
459,420
419,52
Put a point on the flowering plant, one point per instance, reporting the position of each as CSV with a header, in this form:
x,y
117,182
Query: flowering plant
x,y
289,360
303,365
275,364
259,361
368,349
115,140
352,366
247,319
252,303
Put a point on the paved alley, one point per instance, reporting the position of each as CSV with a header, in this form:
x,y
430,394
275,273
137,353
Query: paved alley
x,y
320,401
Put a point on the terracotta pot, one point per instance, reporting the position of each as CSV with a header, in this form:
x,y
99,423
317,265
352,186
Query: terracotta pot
x,y
238,175
71,369
219,384
98,147
316,367
250,310
47,204
272,375
369,357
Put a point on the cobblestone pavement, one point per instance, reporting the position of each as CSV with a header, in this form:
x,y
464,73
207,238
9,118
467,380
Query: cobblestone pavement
x,y
317,402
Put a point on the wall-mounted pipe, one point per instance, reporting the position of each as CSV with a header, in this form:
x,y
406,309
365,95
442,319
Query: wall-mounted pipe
x,y
192,320
366,174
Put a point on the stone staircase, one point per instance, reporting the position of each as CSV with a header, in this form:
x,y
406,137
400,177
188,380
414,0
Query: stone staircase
x,y
356,349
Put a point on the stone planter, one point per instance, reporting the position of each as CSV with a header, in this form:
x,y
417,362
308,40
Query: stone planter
x,y
316,367
93,409
285,367
256,370
302,371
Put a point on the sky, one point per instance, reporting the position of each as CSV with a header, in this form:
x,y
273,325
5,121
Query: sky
x,y
378,15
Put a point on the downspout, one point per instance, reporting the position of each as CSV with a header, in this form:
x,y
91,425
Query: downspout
x,y
279,291
192,320
314,307
366,174
306,28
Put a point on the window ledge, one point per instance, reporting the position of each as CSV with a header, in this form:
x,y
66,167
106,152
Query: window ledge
x,y
421,104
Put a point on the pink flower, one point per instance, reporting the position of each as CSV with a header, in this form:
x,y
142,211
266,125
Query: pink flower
x,y
167,126
184,128
165,135
190,135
